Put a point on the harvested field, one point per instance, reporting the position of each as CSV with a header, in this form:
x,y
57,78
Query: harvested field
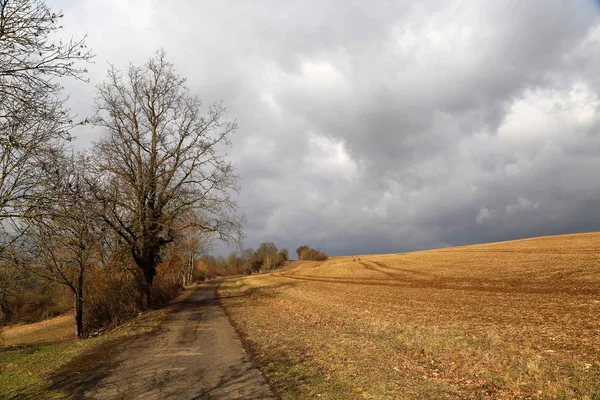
x,y
503,320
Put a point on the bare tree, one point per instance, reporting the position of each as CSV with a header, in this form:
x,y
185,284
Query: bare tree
x,y
33,116
193,244
10,279
267,253
63,236
159,161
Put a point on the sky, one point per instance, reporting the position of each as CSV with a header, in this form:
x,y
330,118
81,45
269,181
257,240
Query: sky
x,y
381,126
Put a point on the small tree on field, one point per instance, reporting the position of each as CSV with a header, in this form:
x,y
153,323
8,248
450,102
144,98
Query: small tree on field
x,y
160,160
62,237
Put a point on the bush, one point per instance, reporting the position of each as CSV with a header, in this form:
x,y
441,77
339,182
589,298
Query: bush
x,y
114,292
112,297
283,256
211,267
167,282
307,253
38,302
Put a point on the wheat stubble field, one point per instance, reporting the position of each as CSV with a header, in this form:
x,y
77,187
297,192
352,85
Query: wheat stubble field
x,y
516,319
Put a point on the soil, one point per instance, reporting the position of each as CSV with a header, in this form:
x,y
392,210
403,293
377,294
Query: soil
x,y
196,354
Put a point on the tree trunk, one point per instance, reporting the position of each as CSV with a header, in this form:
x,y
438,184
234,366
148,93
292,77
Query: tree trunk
x,y
149,272
189,270
146,260
79,304
147,289
5,313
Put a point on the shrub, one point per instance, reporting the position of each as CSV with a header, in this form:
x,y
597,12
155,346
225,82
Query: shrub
x,y
112,296
307,253
283,256
39,301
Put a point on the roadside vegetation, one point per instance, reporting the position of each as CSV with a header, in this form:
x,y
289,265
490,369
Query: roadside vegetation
x,y
503,320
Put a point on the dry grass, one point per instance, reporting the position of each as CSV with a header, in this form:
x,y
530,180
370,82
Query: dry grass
x,y
57,329
504,320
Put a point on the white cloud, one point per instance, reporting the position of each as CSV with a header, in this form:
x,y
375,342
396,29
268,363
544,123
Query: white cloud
x,y
522,205
328,157
486,215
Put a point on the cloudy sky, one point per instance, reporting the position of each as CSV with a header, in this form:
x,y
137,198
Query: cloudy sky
x,y
383,126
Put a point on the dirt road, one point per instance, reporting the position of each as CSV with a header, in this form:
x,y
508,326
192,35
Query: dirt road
x,y
196,354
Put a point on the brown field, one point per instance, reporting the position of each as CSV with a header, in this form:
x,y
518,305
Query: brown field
x,y
516,319
57,329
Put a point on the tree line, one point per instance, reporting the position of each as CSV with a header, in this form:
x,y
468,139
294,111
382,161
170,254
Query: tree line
x,y
266,258
118,224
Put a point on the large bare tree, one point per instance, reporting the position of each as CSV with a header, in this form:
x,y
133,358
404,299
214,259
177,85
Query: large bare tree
x,y
160,162
34,120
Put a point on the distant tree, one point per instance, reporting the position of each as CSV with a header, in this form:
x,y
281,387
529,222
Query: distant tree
x,y
195,243
159,160
307,253
302,250
267,253
246,256
189,244
208,260
283,255
317,255
34,120
265,258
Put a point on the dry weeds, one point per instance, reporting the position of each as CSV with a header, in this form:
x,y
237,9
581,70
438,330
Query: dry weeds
x,y
504,320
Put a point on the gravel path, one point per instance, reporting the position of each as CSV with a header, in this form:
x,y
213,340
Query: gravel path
x,y
196,354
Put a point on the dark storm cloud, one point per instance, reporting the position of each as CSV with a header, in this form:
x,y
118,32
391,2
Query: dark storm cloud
x,y
385,126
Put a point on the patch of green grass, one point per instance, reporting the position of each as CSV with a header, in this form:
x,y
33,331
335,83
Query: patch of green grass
x,y
24,369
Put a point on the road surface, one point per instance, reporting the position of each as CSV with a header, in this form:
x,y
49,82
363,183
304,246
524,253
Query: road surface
x,y
196,354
